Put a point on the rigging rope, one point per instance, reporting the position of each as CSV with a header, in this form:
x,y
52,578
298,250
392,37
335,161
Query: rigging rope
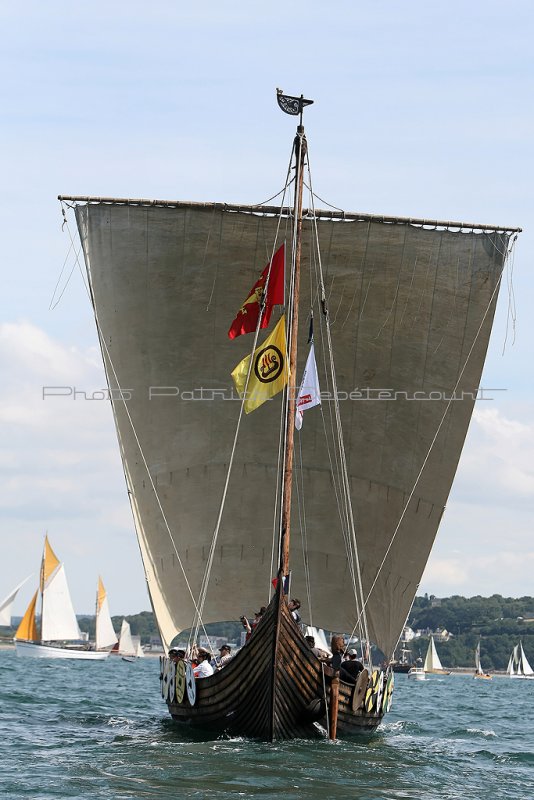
x,y
512,314
347,502
290,222
302,524
335,470
282,191
206,253
209,563
53,305
122,395
451,398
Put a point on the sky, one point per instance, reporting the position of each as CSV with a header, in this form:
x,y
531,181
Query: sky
x,y
421,109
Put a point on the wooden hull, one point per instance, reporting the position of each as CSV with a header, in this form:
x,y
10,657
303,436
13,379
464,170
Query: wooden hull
x,y
275,688
402,669
38,650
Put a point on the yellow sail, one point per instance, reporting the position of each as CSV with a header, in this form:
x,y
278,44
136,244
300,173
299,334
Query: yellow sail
x,y
28,627
105,633
100,594
49,564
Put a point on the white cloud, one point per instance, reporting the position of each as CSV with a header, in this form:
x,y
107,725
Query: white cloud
x,y
498,461
449,572
500,572
61,472
31,351
487,525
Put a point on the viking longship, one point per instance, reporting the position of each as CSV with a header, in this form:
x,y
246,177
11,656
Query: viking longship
x,y
330,491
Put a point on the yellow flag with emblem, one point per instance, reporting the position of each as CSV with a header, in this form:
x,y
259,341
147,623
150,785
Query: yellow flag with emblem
x,y
270,370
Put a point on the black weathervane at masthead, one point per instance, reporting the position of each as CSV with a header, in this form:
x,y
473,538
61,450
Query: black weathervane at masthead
x,y
292,105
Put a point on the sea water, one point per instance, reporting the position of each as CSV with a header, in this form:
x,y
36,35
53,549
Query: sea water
x,y
101,730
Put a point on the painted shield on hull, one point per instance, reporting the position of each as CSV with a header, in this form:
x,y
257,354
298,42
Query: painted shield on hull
x,y
359,690
191,685
180,681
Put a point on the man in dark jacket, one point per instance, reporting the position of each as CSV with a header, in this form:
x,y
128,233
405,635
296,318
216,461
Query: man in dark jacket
x,y
350,668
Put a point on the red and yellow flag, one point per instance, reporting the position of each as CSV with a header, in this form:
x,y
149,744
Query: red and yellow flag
x,y
270,369
247,317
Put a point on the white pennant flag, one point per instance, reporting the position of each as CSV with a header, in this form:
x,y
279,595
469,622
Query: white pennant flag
x,y
309,394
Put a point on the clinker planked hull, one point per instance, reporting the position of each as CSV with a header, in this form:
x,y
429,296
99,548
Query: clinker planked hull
x,y
274,689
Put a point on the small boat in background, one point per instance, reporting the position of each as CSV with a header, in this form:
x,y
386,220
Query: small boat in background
x,y
518,665
404,664
432,663
129,646
417,673
105,636
7,604
479,672
59,635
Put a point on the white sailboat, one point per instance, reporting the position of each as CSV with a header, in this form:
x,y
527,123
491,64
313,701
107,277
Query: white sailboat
x,y
479,672
518,665
59,635
105,636
7,604
129,646
432,663
139,652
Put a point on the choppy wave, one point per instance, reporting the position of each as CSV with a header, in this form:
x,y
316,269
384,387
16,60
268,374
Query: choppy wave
x,y
474,733
103,733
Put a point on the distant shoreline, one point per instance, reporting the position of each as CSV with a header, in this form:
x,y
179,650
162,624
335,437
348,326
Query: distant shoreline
x,y
11,646
453,670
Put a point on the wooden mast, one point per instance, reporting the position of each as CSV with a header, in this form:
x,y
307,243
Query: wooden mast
x,y
300,156
293,106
